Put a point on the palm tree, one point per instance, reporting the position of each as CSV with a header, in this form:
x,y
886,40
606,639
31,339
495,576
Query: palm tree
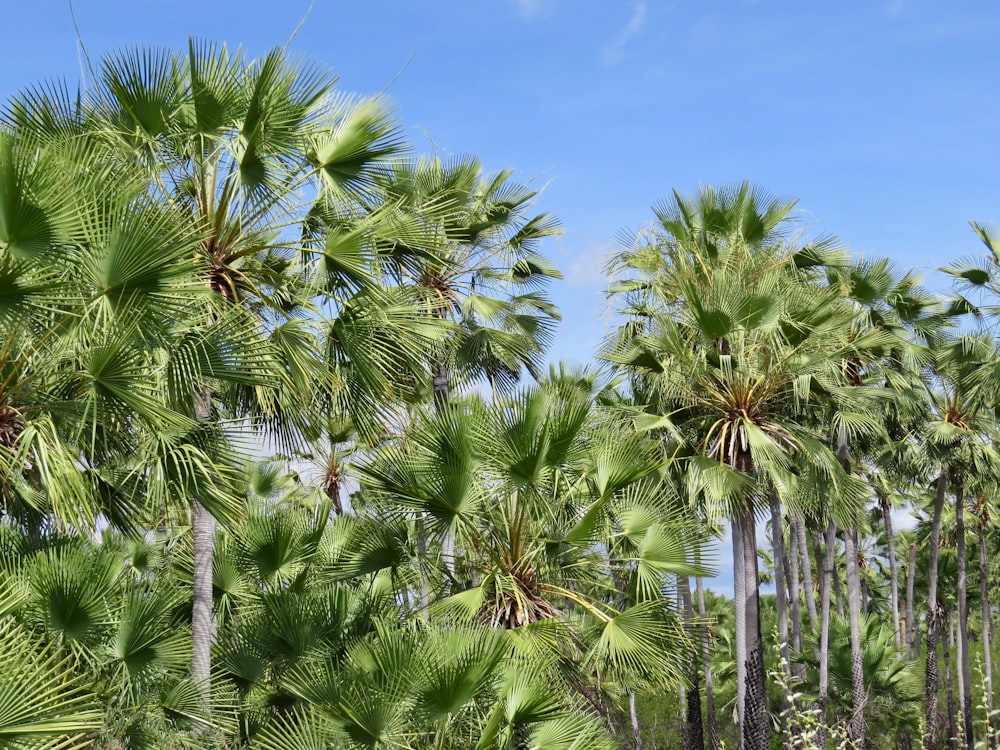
x,y
905,316
482,271
229,146
959,432
736,358
565,528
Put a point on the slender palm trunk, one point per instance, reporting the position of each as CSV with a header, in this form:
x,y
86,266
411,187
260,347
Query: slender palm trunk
x,y
807,576
778,546
202,605
893,572
706,658
911,617
442,395
695,733
984,600
838,590
824,633
202,617
946,644
933,625
756,724
442,383
740,607
964,660
798,669
633,716
859,696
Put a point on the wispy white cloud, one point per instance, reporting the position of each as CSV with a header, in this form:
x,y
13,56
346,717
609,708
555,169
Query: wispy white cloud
x,y
616,48
896,7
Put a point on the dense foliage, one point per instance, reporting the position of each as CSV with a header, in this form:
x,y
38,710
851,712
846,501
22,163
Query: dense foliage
x,y
271,475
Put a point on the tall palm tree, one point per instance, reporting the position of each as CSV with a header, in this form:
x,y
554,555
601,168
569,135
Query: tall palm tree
x,y
960,435
238,150
894,306
739,340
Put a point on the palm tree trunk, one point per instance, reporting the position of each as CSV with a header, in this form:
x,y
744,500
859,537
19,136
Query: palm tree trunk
x,y
933,626
695,733
739,605
859,696
911,617
798,669
893,572
824,634
706,658
442,394
756,723
633,716
807,577
780,561
203,600
949,688
838,590
442,383
202,617
984,600
964,660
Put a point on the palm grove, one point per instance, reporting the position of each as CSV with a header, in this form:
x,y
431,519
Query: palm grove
x,y
271,476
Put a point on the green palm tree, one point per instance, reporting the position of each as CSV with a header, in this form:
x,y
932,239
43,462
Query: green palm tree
x,y
741,342
237,150
959,434
562,519
482,271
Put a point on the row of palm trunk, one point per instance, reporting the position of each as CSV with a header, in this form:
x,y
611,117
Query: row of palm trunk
x,y
792,566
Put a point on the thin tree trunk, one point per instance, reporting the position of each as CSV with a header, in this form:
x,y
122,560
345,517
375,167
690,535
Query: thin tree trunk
x,y
442,383
633,716
706,658
202,606
859,696
946,644
911,617
824,636
893,567
807,577
964,660
756,723
780,561
442,394
931,667
912,631
202,616
984,597
695,734
838,590
739,604
794,593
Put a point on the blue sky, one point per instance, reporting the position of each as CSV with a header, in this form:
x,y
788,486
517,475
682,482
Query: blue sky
x,y
880,115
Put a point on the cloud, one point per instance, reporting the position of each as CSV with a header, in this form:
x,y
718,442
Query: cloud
x,y
613,52
896,7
